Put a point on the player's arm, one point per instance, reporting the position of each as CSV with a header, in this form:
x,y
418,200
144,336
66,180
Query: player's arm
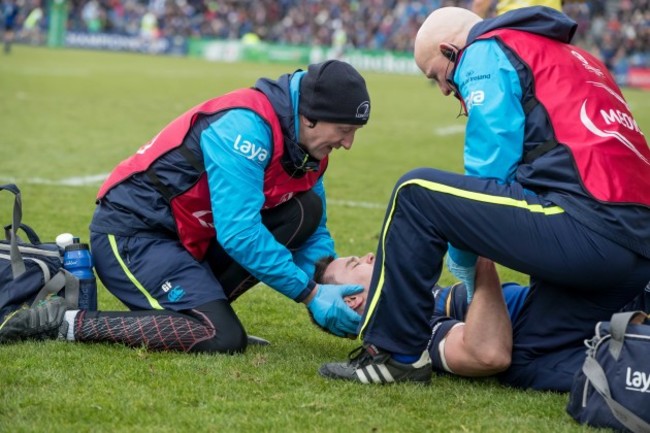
x,y
482,346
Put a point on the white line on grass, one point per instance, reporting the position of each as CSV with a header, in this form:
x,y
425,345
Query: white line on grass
x,y
449,130
352,203
97,179
94,180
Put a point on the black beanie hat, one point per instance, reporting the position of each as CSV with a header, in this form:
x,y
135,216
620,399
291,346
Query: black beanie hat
x,y
333,91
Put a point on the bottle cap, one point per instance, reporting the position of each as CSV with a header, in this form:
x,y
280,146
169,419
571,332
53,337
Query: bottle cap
x,y
63,240
77,247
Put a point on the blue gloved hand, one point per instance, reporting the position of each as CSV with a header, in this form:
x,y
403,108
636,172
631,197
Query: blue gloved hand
x,y
330,311
466,273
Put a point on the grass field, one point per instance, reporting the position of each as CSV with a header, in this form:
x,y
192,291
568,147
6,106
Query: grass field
x,y
67,117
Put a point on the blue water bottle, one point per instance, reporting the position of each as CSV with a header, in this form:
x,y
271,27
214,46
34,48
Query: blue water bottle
x,y
78,261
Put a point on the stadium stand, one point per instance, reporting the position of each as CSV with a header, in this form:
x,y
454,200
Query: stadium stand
x,y
616,31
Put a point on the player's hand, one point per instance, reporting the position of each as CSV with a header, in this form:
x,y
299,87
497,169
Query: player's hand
x,y
330,311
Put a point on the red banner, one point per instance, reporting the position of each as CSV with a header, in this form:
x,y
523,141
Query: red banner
x,y
639,77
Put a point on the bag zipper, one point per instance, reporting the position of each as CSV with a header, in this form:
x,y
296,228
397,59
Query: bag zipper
x,y
31,250
46,270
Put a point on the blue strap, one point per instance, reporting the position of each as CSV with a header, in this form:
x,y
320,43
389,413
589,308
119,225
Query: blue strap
x,y
17,263
617,327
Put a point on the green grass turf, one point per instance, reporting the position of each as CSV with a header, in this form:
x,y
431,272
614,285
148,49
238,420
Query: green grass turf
x,y
69,114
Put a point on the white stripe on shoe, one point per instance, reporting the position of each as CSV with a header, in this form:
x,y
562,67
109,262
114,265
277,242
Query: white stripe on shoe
x,y
384,372
374,374
370,369
361,375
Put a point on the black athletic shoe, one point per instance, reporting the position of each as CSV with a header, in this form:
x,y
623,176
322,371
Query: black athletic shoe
x,y
43,321
368,364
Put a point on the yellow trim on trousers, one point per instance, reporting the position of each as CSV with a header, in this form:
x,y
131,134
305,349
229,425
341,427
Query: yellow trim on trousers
x,y
152,301
446,189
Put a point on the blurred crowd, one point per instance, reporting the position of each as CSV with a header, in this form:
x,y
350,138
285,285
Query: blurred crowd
x,y
616,31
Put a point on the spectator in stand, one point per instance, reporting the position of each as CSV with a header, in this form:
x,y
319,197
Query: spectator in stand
x,y
91,15
31,32
9,14
484,8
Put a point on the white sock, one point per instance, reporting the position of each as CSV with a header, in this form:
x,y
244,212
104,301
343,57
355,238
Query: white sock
x,y
69,317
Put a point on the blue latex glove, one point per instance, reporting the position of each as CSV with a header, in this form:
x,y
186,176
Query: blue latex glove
x,y
330,311
466,272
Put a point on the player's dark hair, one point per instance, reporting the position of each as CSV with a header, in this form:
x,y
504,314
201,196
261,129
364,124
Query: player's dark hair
x,y
321,266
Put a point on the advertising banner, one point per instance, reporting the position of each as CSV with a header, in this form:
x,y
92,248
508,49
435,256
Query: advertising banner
x,y
113,42
639,77
366,60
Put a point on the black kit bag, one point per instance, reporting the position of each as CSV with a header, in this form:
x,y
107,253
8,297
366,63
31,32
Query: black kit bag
x,y
30,271
613,387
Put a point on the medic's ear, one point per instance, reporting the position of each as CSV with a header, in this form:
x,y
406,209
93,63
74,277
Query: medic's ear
x,y
449,54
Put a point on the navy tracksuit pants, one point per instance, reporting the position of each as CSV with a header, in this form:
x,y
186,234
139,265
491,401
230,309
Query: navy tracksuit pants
x,y
577,276
180,303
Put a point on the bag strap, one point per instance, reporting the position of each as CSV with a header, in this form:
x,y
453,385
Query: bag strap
x,y
60,280
32,237
617,327
598,379
17,263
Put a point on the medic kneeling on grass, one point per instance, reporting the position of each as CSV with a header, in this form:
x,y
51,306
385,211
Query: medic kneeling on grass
x,y
229,194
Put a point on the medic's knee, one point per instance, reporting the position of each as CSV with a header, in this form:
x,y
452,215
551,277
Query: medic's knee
x,y
230,341
229,335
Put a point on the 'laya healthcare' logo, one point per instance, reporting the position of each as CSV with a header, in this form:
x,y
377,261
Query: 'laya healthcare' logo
x,y
250,150
611,116
637,380
363,110
475,98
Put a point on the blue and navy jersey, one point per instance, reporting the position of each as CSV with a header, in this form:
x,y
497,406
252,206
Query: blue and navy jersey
x,y
451,309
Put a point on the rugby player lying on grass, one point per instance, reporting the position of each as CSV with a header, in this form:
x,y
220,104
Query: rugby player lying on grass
x,y
474,341
468,340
